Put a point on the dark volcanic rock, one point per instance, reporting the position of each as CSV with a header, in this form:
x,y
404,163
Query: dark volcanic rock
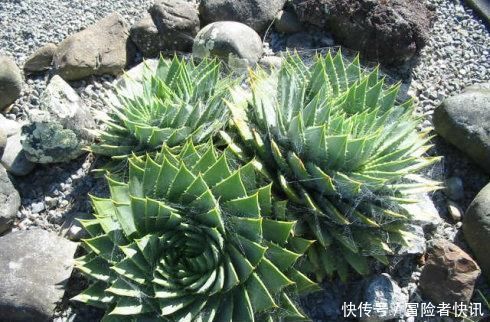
x,y
391,31
145,35
257,14
287,22
170,25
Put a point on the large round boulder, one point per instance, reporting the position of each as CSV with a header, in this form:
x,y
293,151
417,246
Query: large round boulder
x,y
234,42
464,121
10,82
476,228
257,14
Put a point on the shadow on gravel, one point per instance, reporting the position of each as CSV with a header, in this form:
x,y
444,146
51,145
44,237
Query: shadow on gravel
x,y
53,193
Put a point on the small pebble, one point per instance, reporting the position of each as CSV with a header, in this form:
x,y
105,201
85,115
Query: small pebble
x,y
454,210
37,207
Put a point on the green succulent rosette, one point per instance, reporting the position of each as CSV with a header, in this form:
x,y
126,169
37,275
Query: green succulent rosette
x,y
173,102
336,141
190,237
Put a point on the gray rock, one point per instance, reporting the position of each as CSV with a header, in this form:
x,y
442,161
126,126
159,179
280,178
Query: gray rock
x,y
257,14
454,189
3,141
61,128
390,31
464,121
234,42
418,244
478,87
145,35
482,7
177,22
10,82
35,266
137,73
10,127
10,201
131,81
103,48
383,291
41,59
287,22
14,158
170,25
454,211
327,304
476,228
449,274
37,207
424,212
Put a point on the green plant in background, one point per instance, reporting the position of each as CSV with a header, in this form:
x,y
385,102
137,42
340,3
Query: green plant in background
x,y
336,142
191,237
177,101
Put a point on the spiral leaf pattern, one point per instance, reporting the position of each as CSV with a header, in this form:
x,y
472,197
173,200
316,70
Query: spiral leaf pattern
x,y
190,237
336,141
180,100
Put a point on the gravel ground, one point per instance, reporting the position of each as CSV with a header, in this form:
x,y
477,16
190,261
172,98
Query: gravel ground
x,y
26,25
53,194
457,55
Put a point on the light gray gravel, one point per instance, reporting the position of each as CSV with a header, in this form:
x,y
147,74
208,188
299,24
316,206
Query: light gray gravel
x,y
27,25
457,55
51,194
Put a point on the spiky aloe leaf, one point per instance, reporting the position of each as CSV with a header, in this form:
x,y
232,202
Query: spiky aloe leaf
x,y
177,101
339,145
190,237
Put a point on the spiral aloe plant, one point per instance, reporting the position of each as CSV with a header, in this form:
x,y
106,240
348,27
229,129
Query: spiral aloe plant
x,y
335,140
177,101
190,237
